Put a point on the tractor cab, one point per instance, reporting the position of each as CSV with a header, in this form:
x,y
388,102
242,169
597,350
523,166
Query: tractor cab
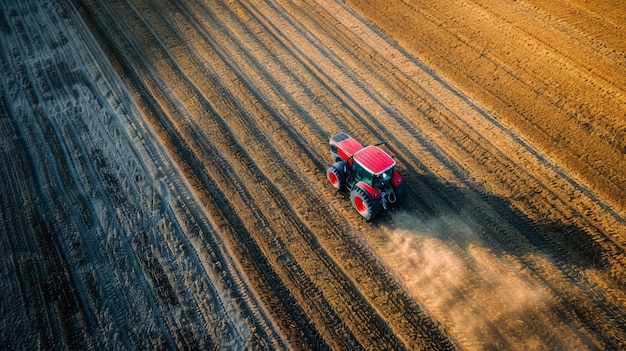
x,y
372,166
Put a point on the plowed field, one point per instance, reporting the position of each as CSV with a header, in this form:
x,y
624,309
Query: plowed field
x,y
163,175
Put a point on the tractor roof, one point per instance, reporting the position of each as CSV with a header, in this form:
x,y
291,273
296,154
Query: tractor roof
x,y
374,160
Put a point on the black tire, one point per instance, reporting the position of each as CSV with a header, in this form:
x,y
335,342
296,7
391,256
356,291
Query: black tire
x,y
364,204
336,176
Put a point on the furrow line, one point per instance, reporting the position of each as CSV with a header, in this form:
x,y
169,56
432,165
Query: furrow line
x,y
19,253
591,56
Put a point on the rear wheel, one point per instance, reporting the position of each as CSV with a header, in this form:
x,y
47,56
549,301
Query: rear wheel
x,y
336,176
363,203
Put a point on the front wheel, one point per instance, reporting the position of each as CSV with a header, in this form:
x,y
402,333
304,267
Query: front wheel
x,y
336,176
363,203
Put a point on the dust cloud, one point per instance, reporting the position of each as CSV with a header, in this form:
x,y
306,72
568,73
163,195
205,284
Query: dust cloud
x,y
484,299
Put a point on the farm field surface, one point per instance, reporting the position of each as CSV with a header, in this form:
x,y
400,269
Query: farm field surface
x,y
163,175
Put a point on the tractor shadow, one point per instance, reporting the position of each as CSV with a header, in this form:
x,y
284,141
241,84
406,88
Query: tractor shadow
x,y
470,216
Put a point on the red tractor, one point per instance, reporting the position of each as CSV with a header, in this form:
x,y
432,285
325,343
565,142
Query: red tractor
x,y
368,173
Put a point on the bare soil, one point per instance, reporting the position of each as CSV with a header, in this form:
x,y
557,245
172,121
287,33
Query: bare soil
x,y
163,167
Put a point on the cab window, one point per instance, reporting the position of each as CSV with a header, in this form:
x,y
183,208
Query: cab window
x,y
384,177
360,174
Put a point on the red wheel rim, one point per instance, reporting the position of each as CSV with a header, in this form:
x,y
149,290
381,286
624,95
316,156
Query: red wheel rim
x,y
333,179
359,205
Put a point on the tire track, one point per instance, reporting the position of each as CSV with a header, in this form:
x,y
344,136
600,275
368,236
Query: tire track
x,y
225,210
100,177
56,251
603,22
595,60
20,265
